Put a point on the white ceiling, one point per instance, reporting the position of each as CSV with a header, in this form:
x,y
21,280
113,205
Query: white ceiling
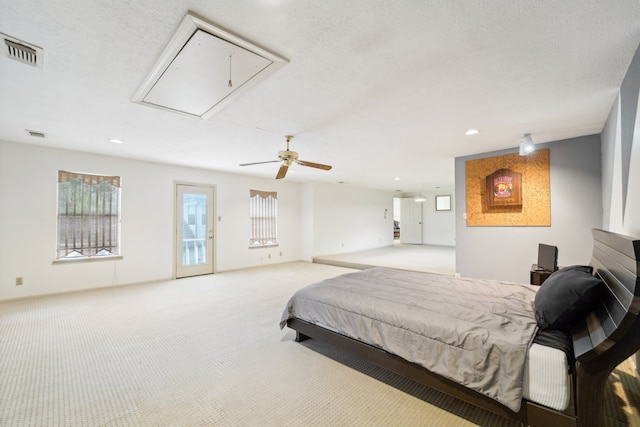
x,y
378,89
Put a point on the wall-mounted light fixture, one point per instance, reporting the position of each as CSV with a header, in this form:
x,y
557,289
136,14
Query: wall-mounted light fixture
x,y
526,145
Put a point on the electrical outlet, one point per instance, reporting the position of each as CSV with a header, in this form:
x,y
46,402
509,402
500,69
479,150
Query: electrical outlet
x,y
19,281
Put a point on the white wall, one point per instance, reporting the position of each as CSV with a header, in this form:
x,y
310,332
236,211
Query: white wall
x,y
306,222
438,227
313,220
621,157
347,219
506,253
28,185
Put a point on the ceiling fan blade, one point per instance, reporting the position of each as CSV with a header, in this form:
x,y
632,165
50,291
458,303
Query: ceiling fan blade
x,y
259,163
313,165
282,171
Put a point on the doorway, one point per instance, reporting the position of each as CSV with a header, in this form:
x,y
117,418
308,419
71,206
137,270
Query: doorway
x,y
194,230
410,221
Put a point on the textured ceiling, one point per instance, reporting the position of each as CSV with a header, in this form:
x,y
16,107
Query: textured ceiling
x,y
378,89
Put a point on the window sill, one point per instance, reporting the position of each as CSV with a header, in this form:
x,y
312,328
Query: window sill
x,y
264,246
87,259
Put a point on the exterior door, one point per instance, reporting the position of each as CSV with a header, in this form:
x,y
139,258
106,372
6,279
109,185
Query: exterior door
x,y
410,221
194,230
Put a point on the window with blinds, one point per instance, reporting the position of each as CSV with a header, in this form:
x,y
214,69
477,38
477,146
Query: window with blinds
x,y
88,215
263,212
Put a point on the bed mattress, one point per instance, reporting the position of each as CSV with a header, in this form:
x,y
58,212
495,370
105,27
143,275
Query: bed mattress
x,y
546,377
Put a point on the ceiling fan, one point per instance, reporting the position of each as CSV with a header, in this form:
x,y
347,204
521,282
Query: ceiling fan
x,y
287,157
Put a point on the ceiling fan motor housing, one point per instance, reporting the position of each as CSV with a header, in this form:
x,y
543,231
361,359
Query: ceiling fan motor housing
x,y
286,154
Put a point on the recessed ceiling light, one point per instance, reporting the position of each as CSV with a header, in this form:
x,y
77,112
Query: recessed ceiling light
x,y
471,132
397,178
115,141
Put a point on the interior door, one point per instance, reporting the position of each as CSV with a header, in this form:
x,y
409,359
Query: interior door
x,y
410,221
194,230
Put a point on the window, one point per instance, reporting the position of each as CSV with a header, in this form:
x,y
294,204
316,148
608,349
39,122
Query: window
x,y
443,203
263,212
88,215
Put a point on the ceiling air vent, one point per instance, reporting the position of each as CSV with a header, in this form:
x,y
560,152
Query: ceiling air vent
x,y
36,133
23,52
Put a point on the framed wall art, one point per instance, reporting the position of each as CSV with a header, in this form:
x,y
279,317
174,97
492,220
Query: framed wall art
x,y
504,188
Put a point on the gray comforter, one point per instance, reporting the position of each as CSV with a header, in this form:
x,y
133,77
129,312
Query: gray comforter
x,y
474,332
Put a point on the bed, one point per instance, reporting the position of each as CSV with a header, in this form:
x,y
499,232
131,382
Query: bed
x,y
603,332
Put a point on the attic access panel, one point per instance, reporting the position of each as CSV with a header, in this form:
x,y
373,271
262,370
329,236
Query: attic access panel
x,y
192,75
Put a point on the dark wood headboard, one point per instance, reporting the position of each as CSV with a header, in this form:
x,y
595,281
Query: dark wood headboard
x,y
613,326
609,334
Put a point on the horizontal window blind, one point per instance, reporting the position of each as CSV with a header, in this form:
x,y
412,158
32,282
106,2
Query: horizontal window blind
x,y
88,215
263,212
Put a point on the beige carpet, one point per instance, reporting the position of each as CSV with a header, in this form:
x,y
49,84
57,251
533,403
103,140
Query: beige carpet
x,y
207,351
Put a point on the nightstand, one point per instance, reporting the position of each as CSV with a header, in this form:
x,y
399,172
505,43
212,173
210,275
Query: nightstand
x,y
537,275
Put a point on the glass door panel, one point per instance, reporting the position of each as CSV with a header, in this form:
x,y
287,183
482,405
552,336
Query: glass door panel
x,y
194,230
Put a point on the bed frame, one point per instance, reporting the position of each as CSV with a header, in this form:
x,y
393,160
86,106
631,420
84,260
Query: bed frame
x,y
608,335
